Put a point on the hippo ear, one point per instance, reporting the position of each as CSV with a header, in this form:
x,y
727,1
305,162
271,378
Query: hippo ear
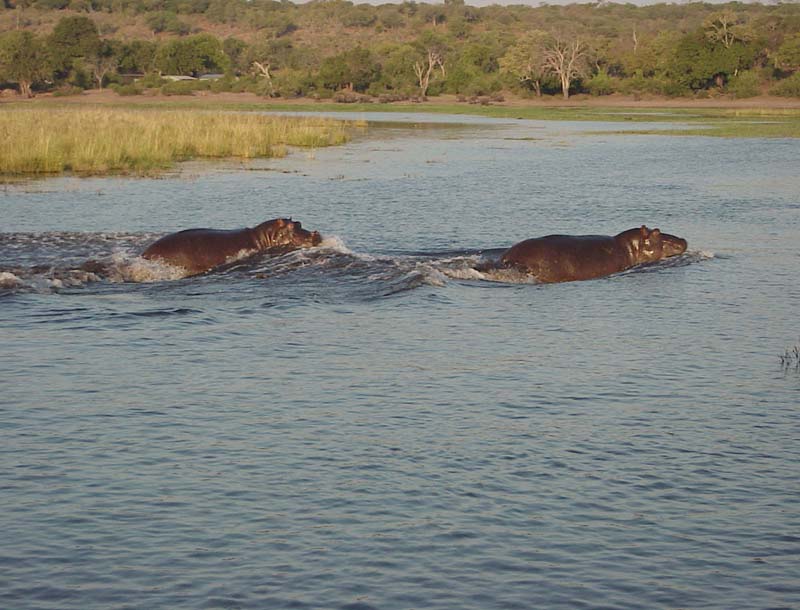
x,y
643,231
655,233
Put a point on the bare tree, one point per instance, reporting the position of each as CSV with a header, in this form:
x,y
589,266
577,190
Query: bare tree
x,y
722,27
263,57
102,65
424,69
566,58
262,69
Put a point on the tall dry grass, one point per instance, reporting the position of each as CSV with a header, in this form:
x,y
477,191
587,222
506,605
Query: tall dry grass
x,y
98,141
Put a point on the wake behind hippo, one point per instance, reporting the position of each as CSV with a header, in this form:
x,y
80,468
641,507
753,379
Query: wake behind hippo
x,y
199,250
565,258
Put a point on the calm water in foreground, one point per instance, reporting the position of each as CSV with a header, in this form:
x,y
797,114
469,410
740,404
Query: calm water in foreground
x,y
370,424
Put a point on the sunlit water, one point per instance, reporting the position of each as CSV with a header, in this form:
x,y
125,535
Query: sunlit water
x,y
374,424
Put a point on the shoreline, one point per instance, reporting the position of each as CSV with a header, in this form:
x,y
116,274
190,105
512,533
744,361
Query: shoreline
x,y
106,96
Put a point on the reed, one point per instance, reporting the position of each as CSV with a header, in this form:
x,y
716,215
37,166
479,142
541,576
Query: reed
x,y
97,141
791,359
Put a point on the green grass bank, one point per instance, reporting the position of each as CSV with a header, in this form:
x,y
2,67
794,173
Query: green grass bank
x,y
47,140
707,121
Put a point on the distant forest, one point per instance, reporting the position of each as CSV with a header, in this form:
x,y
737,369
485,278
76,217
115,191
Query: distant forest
x,y
345,51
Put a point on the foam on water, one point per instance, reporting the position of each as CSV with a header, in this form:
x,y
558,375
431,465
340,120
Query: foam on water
x,y
50,262
127,268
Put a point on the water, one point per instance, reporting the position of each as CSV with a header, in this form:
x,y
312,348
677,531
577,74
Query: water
x,y
371,424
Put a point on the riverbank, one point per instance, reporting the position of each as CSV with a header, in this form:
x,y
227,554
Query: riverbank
x,y
106,96
764,116
102,140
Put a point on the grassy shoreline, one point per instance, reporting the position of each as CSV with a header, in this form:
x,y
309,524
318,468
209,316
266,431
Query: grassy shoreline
x,y
144,141
148,136
762,118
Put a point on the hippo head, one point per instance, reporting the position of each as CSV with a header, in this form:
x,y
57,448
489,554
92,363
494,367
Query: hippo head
x,y
650,245
285,232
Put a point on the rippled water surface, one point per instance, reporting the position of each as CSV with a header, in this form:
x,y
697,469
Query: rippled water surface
x,y
372,423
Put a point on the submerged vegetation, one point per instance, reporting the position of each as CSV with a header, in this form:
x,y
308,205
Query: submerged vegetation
x,y
97,141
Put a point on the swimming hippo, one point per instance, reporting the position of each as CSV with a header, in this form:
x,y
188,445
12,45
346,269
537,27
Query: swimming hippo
x,y
563,258
198,250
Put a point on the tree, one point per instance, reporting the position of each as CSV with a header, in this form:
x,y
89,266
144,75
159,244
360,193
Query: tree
x,y
269,55
74,37
236,51
566,58
698,63
193,55
787,57
726,27
526,62
397,62
20,6
260,60
106,60
353,70
424,69
137,57
23,59
431,49
166,21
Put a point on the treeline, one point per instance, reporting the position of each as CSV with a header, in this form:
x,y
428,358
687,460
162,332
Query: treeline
x,y
333,48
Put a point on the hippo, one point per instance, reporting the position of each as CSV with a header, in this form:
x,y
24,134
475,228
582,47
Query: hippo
x,y
198,250
564,258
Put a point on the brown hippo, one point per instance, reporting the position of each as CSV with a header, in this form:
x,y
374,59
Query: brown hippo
x,y
198,250
563,258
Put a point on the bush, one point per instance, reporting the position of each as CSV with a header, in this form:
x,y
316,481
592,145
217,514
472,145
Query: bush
x,y
293,83
222,84
261,86
125,89
744,84
184,87
67,90
389,97
351,97
151,81
673,88
788,87
600,84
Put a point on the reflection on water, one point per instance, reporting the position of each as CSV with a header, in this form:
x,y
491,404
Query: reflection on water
x,y
372,423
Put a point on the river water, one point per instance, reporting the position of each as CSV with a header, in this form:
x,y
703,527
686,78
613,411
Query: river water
x,y
372,424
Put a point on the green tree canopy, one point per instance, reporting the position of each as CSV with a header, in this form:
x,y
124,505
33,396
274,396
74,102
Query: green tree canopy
x,y
137,57
787,56
23,59
192,55
353,70
525,60
74,37
698,62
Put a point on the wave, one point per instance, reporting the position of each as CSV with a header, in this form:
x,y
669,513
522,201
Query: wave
x,y
52,262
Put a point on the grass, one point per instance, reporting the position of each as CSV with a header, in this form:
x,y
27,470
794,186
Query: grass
x,y
717,122
147,138
46,141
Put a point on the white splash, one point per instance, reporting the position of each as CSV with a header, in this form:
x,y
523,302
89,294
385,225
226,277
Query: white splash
x,y
335,243
9,280
127,268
